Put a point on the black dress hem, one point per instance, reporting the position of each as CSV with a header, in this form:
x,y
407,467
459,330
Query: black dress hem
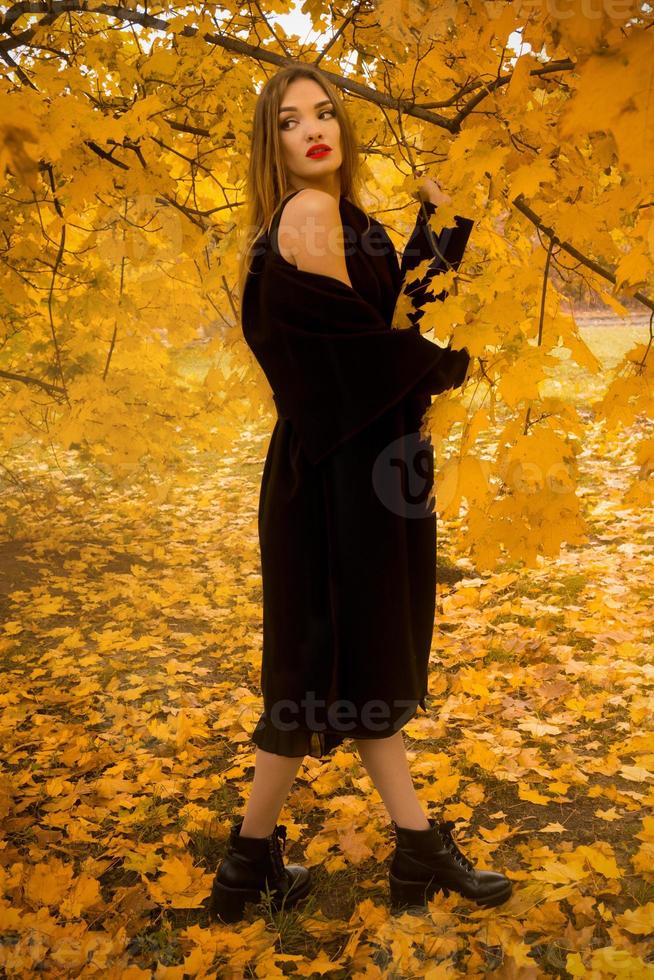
x,y
304,741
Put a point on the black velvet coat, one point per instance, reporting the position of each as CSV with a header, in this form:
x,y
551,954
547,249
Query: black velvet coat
x,y
346,520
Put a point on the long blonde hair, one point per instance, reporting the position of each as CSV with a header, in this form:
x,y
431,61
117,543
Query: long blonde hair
x,y
266,183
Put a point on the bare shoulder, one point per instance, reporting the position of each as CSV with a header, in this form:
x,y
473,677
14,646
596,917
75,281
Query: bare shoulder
x,y
307,211
306,234
310,200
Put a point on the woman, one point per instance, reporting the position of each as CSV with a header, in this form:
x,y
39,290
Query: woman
x,y
346,523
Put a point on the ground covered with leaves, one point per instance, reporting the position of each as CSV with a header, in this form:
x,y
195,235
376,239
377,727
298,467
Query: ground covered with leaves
x,y
130,651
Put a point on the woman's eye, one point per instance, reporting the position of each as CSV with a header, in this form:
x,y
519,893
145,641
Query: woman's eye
x,y
330,111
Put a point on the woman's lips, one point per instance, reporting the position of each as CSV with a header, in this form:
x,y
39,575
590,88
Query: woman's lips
x,y
318,153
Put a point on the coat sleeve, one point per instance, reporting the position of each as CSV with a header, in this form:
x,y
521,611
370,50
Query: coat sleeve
x,y
447,250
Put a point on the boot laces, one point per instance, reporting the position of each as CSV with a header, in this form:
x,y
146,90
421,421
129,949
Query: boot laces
x,y
278,834
445,830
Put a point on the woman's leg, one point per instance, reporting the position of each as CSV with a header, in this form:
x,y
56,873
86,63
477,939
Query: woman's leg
x,y
273,778
387,765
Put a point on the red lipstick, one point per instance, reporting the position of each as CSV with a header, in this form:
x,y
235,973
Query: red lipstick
x,y
318,150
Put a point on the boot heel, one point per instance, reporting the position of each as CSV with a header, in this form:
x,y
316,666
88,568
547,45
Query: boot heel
x,y
412,893
256,865
229,903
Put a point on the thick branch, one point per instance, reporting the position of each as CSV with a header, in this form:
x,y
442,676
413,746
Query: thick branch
x,y
51,389
187,128
55,7
105,155
233,44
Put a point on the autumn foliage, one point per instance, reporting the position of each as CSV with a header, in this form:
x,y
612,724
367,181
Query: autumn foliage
x,y
124,131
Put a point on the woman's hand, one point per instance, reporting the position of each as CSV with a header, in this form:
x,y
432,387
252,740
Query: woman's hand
x,y
429,190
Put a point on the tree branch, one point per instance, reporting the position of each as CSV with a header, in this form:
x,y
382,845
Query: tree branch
x,y
541,319
55,267
524,208
408,106
566,64
51,389
105,155
55,7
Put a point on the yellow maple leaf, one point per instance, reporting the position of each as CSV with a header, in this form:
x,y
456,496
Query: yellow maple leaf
x,y
600,861
495,834
613,94
320,964
12,628
634,268
528,178
458,478
612,962
353,844
636,774
48,883
182,884
520,953
480,754
535,727
144,863
643,859
639,920
575,965
176,875
84,894
531,795
608,815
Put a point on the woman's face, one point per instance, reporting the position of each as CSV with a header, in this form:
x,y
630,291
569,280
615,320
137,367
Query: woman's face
x,y
310,121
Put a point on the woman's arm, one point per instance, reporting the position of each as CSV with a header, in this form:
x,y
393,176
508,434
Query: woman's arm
x,y
446,250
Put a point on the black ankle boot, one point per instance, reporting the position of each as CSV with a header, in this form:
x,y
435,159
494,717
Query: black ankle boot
x,y
427,861
248,865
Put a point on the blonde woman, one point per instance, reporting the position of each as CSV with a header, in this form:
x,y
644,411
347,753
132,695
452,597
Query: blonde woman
x,y
346,521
